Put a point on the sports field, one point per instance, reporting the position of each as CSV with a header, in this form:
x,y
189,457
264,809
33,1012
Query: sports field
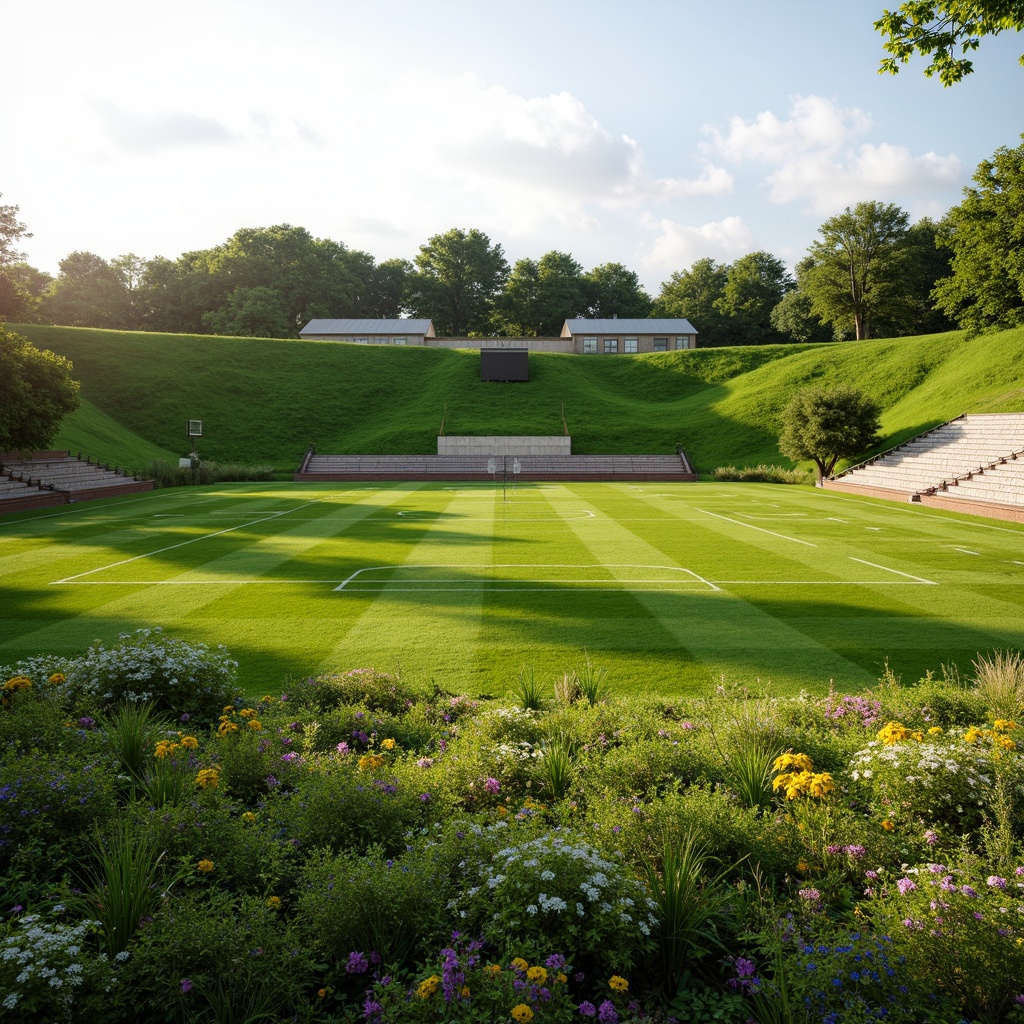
x,y
671,587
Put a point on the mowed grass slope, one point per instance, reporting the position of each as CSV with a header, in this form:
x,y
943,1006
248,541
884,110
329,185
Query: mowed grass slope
x,y
670,587
265,401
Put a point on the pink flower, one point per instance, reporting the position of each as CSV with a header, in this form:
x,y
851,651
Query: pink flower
x,y
810,894
492,785
905,885
342,748
995,882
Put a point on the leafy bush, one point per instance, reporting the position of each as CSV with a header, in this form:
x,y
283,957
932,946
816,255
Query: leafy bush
x,y
147,667
764,474
364,687
167,474
559,892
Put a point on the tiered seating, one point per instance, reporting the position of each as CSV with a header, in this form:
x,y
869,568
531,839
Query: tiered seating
x,y
66,477
474,467
1001,484
934,460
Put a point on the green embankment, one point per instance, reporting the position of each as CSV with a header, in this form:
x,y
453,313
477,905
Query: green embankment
x,y
264,401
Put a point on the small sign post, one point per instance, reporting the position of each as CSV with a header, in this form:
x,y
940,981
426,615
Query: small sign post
x,y
194,429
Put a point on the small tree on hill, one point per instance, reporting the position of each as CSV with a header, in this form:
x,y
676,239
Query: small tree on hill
x,y
36,393
826,425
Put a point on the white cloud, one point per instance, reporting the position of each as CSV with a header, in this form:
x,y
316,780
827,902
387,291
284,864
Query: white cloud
x,y
677,246
132,132
819,160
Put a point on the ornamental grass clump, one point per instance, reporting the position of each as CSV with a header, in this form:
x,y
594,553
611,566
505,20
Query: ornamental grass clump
x,y
999,680
557,890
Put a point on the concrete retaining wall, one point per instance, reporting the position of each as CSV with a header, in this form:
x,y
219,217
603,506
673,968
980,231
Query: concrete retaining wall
x,y
455,444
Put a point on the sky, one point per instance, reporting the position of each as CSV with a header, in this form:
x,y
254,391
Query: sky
x,y
645,132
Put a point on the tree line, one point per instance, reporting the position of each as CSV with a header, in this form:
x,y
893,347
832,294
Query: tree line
x,y
869,273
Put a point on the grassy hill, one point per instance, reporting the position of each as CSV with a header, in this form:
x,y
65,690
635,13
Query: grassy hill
x,y
265,400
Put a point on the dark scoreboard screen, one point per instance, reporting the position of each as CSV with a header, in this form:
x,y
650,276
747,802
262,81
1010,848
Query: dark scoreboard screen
x,y
504,364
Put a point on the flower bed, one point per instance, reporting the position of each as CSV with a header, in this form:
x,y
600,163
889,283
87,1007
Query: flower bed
x,y
357,849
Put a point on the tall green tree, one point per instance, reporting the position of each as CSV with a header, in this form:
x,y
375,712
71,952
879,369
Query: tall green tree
x,y
944,31
614,290
985,235
859,268
539,296
828,424
11,231
754,286
86,293
36,392
693,294
458,275
21,291
389,289
257,312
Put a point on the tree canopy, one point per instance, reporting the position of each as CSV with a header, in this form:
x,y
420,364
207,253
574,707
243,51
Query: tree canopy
x,y
457,276
828,424
985,235
943,31
36,393
857,269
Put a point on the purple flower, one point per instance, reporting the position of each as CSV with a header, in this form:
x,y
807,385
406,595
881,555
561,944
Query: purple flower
x,y
995,882
185,717
186,985
357,964
270,781
588,1009
856,851
17,908
931,837
744,968
905,885
342,748
810,894
968,891
425,797
556,962
492,785
606,1013
290,756
425,762
873,875
686,725
87,723
833,849
372,1010
1019,1000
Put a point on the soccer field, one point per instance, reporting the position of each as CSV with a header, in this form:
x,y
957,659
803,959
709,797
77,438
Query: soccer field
x,y
671,587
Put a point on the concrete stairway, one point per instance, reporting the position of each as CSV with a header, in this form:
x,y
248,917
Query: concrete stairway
x,y
56,477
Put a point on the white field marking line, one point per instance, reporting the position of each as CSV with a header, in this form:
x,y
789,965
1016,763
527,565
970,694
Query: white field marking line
x,y
875,529
440,517
171,547
1011,562
834,519
760,529
885,568
825,583
897,508
388,584
965,551
87,507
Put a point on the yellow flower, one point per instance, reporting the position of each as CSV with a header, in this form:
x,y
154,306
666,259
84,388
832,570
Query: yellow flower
x,y
935,730
17,683
247,712
1005,742
208,778
206,866
538,975
248,817
893,732
973,734
189,742
617,984
888,825
1004,725
387,744
492,970
274,902
790,760
57,678
802,866
321,993
253,724
428,987
228,709
917,735
562,979
522,1013
465,992
227,727
370,762
519,964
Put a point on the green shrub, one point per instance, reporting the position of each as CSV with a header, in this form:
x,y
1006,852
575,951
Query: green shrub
x,y
764,474
148,667
558,892
362,687
393,907
932,701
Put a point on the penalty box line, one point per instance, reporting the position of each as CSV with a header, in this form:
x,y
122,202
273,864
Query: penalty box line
x,y
384,585
181,544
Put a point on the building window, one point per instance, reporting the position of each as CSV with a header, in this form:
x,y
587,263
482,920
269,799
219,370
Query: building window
x,y
611,344
661,344
361,341
398,341
683,342
630,344
590,344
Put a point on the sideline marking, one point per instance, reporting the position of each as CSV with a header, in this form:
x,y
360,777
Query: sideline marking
x,y
86,506
966,551
886,568
750,526
181,544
